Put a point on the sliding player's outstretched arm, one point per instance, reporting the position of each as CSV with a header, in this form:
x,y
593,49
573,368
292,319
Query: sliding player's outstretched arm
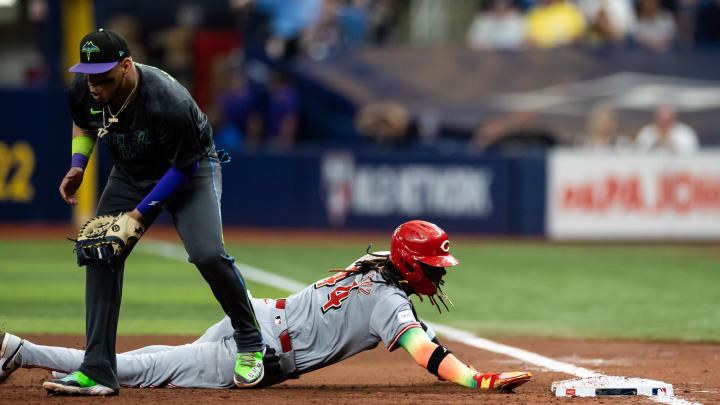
x,y
438,360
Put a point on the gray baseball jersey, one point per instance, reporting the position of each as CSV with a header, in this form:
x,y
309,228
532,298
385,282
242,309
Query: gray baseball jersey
x,y
340,316
327,321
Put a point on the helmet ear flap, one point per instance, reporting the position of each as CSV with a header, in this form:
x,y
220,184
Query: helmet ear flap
x,y
413,271
409,270
417,273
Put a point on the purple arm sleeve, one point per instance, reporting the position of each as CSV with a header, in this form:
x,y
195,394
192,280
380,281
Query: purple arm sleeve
x,y
170,182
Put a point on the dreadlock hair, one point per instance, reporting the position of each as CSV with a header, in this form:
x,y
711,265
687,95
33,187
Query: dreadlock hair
x,y
382,265
392,276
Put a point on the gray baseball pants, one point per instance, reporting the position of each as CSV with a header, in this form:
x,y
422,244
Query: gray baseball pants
x,y
206,363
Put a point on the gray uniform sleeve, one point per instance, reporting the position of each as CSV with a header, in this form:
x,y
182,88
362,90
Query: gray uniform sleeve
x,y
391,317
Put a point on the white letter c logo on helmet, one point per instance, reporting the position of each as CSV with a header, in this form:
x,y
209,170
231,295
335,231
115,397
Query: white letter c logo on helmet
x,y
445,246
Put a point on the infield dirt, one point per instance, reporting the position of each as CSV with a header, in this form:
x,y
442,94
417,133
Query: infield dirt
x,y
379,377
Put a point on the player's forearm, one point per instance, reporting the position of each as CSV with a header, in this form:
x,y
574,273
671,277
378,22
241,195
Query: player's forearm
x,y
170,182
83,143
452,369
436,359
431,333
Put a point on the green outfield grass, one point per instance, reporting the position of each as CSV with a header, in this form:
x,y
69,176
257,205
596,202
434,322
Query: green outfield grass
x,y
664,292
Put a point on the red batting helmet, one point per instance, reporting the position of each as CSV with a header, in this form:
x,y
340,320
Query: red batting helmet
x,y
417,242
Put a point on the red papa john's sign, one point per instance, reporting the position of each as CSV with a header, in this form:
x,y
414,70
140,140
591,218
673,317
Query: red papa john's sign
x,y
604,195
680,192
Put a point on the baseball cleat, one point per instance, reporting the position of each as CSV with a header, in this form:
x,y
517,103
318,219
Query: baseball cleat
x,y
77,383
249,370
10,357
505,381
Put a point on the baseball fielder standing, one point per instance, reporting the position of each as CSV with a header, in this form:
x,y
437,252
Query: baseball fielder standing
x,y
326,322
164,155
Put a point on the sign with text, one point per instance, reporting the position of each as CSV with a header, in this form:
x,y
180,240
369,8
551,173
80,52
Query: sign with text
x,y
623,196
357,189
368,190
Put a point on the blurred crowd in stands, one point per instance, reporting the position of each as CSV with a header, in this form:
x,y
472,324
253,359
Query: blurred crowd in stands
x,y
322,29
654,24
248,115
253,102
665,133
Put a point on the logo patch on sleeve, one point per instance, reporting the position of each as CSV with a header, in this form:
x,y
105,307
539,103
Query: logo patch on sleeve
x,y
406,316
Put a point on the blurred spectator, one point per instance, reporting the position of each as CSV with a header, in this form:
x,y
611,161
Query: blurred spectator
x,y
383,20
283,111
707,23
241,123
666,133
500,26
253,27
354,19
608,20
525,131
286,21
428,126
129,27
526,5
488,134
385,122
175,43
519,131
686,11
602,132
656,27
554,23
324,39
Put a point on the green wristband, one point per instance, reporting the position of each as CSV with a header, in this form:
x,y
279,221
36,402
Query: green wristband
x,y
83,145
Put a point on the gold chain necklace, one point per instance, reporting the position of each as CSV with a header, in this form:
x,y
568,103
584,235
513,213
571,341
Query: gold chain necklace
x,y
113,117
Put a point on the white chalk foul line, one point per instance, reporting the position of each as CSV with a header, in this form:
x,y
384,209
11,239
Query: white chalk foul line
x,y
176,252
520,354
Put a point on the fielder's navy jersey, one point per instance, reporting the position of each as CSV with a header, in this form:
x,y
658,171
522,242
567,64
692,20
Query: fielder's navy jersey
x,y
340,316
161,127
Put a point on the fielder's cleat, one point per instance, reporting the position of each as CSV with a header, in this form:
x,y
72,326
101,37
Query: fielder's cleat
x,y
249,370
76,383
10,357
505,381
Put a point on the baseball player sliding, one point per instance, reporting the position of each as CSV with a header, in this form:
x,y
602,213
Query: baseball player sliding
x,y
326,322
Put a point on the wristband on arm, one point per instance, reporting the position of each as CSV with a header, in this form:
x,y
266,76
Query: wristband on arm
x,y
170,182
82,148
436,358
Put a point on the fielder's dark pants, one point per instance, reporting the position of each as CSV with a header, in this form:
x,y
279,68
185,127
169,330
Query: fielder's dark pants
x,y
195,211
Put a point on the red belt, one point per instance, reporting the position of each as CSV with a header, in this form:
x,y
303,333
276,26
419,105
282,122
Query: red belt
x,y
280,304
284,336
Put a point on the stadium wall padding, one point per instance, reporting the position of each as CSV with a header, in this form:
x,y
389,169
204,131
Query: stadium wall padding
x,y
34,154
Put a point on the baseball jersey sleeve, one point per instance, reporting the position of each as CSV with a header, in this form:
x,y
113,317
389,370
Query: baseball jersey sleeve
x,y
179,131
78,95
391,317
